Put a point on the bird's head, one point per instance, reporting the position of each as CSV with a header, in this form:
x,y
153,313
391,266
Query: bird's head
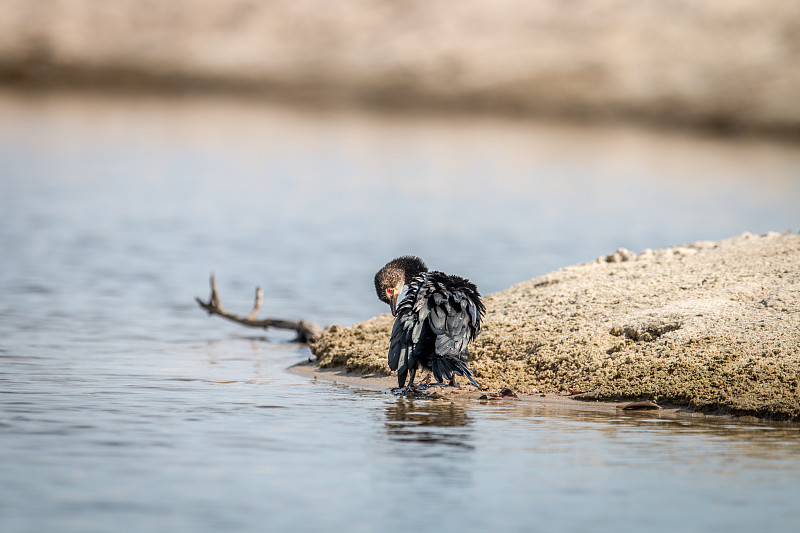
x,y
389,280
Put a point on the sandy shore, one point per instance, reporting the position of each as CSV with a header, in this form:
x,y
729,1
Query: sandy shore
x,y
709,326
564,403
721,64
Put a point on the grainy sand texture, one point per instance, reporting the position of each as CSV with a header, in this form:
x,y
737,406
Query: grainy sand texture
x,y
712,326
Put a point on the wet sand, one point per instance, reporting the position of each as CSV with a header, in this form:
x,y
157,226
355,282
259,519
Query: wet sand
x,y
561,402
708,326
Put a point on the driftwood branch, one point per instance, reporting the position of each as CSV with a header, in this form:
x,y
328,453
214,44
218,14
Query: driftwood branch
x,y
306,331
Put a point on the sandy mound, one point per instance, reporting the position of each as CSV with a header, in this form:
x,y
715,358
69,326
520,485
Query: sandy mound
x,y
710,325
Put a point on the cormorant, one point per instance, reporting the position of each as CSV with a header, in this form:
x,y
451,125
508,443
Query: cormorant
x,y
439,315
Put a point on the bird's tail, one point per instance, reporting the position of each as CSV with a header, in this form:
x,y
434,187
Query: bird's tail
x,y
444,368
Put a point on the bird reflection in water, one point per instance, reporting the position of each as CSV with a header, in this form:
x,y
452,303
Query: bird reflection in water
x,y
430,422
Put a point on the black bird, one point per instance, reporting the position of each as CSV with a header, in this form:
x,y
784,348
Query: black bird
x,y
439,315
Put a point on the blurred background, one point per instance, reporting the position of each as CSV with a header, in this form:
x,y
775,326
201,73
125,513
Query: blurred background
x,y
721,64
301,145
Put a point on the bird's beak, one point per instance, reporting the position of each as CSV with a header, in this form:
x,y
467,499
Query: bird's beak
x,y
393,302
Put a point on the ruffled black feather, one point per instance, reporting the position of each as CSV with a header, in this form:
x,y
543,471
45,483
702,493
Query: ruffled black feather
x,y
436,320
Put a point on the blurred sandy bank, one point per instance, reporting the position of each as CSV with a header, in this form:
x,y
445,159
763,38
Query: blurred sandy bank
x,y
725,64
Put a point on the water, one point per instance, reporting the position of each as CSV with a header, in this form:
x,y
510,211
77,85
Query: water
x,y
122,406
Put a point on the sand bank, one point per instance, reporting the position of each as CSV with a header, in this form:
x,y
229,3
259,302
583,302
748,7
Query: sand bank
x,y
723,63
710,326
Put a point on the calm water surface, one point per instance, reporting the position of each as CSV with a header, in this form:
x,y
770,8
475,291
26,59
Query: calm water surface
x,y
123,407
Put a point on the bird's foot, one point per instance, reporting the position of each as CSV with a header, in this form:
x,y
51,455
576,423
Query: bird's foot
x,y
408,389
414,392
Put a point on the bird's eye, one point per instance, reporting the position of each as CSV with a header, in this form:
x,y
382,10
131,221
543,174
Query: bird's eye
x,y
389,291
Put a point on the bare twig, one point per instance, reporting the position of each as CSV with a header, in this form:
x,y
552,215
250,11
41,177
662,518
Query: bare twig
x,y
256,305
306,331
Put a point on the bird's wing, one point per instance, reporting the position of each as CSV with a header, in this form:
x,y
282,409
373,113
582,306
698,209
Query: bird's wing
x,y
454,310
451,324
406,331
401,345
